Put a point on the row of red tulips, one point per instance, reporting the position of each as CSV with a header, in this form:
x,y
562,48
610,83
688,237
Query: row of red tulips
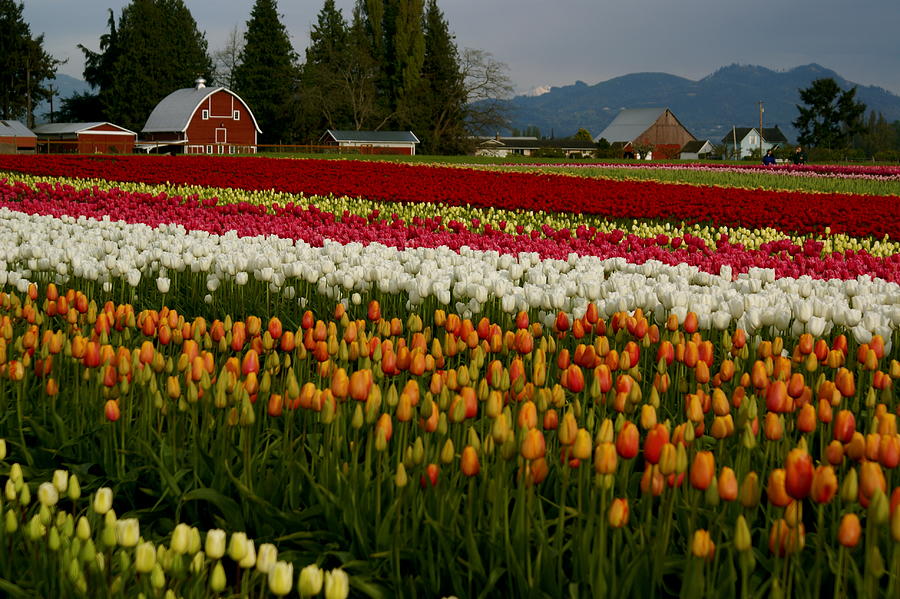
x,y
788,211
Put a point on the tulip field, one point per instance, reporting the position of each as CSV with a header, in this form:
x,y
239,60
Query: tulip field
x,y
253,377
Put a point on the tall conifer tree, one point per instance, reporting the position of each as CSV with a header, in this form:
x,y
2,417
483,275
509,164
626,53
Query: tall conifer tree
x,y
267,74
440,107
154,50
24,66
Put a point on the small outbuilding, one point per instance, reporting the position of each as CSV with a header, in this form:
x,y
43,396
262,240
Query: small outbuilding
x,y
16,138
201,120
748,139
697,149
642,132
84,138
372,142
531,146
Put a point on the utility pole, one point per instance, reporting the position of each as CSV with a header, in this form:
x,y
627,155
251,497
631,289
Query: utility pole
x,y
761,110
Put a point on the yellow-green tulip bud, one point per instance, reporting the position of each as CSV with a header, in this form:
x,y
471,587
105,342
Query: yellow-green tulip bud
x,y
850,487
67,526
15,475
181,538
109,518
24,495
337,584
103,500
144,557
215,543
217,578
108,536
401,479
83,529
2,449
311,579
742,539
194,545
74,488
266,557
249,559
88,553
34,530
12,523
198,561
447,452
128,532
237,546
61,480
281,578
157,578
10,491
879,511
53,541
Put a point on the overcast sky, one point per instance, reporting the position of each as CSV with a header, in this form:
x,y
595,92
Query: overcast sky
x,y
556,42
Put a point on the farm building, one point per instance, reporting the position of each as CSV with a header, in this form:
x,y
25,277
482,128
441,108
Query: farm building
x,y
372,142
85,138
531,146
697,149
748,139
201,120
646,133
16,138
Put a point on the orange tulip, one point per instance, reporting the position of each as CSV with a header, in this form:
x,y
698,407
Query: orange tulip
x,y
703,470
824,484
533,445
111,410
849,531
728,485
806,419
871,478
702,545
656,438
618,513
627,441
798,470
468,462
605,458
776,488
844,426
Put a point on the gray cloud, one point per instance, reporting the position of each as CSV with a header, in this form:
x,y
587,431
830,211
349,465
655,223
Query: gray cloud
x,y
562,41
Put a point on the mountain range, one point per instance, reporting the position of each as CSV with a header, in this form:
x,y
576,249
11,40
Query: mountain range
x,y
708,108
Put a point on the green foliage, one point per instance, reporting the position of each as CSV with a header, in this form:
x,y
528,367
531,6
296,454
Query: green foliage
x,y
831,116
584,135
24,65
441,98
154,50
266,74
878,138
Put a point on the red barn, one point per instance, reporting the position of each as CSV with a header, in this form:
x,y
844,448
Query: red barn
x,y
201,120
16,138
85,138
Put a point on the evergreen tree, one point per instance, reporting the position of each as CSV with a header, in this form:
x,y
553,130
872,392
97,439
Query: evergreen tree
x,y
154,50
24,65
441,101
267,74
397,41
878,137
831,116
323,74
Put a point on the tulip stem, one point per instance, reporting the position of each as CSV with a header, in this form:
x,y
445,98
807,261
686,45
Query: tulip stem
x,y
562,513
840,573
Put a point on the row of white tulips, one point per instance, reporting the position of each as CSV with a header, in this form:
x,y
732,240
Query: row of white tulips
x,y
32,246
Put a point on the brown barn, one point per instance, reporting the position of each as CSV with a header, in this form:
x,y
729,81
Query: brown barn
x,y
16,138
201,120
85,138
647,132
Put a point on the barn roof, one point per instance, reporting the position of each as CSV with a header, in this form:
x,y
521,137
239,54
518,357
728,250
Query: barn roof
x,y
74,128
175,111
15,129
630,123
373,136
695,146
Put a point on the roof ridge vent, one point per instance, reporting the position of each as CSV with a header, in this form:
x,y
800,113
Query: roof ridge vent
x,y
201,83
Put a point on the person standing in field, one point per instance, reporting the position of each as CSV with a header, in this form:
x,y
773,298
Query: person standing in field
x,y
769,158
799,156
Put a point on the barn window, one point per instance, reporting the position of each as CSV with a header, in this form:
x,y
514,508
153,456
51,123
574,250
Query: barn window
x,y
237,115
209,150
205,115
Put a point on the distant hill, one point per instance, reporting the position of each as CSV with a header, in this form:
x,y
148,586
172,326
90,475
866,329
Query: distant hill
x,y
64,86
708,107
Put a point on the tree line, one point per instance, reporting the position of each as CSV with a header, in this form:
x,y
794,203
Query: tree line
x,y
391,64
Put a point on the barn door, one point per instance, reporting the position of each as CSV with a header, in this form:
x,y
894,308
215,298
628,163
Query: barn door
x,y
221,136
